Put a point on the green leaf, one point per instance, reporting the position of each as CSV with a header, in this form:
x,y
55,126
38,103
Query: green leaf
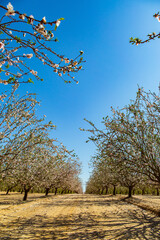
x,y
30,80
7,66
18,39
11,79
80,60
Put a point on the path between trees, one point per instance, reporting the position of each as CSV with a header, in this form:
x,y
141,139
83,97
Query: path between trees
x,y
74,217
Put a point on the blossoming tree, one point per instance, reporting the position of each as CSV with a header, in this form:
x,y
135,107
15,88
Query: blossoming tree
x,y
23,37
130,140
20,128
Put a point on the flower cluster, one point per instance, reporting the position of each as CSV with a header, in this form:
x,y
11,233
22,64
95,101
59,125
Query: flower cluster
x,y
157,16
10,11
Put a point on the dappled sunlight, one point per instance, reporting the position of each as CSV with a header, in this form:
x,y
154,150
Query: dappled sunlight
x,y
78,217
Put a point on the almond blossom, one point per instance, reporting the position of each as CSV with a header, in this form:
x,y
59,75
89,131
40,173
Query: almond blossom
x,y
29,55
10,11
58,23
2,45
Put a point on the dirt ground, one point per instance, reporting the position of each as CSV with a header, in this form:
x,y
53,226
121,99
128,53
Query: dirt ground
x,y
74,216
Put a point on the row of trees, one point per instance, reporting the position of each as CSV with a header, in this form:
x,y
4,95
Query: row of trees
x,y
29,158
128,149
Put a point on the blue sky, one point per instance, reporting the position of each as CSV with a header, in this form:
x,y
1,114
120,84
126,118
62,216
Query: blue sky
x,y
113,67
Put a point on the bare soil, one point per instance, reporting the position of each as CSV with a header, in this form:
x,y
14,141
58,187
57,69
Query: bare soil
x,y
75,216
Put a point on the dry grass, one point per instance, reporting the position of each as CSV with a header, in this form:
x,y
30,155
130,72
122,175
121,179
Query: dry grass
x,y
73,217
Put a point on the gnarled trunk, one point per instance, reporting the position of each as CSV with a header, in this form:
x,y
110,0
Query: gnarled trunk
x,y
8,190
130,191
26,190
47,191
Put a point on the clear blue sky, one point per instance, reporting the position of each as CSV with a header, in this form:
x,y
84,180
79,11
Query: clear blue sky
x,y
113,67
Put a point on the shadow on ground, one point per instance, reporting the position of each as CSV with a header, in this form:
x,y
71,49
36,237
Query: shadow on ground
x,y
135,224
14,199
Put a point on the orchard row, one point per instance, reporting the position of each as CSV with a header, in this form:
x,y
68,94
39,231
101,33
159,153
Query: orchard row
x,y
128,147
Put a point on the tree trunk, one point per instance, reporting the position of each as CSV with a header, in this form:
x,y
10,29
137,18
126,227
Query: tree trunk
x,y
55,191
8,191
157,191
26,190
62,191
130,191
106,190
143,191
102,191
114,189
47,191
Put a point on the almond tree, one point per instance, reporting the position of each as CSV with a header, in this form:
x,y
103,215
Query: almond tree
x,y
136,135
102,172
59,170
29,170
93,185
20,129
71,170
76,185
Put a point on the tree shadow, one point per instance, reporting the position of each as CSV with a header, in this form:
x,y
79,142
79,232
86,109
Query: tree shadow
x,y
135,224
91,200
143,204
17,198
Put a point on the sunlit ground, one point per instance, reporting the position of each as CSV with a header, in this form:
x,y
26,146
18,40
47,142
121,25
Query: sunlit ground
x,y
76,217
